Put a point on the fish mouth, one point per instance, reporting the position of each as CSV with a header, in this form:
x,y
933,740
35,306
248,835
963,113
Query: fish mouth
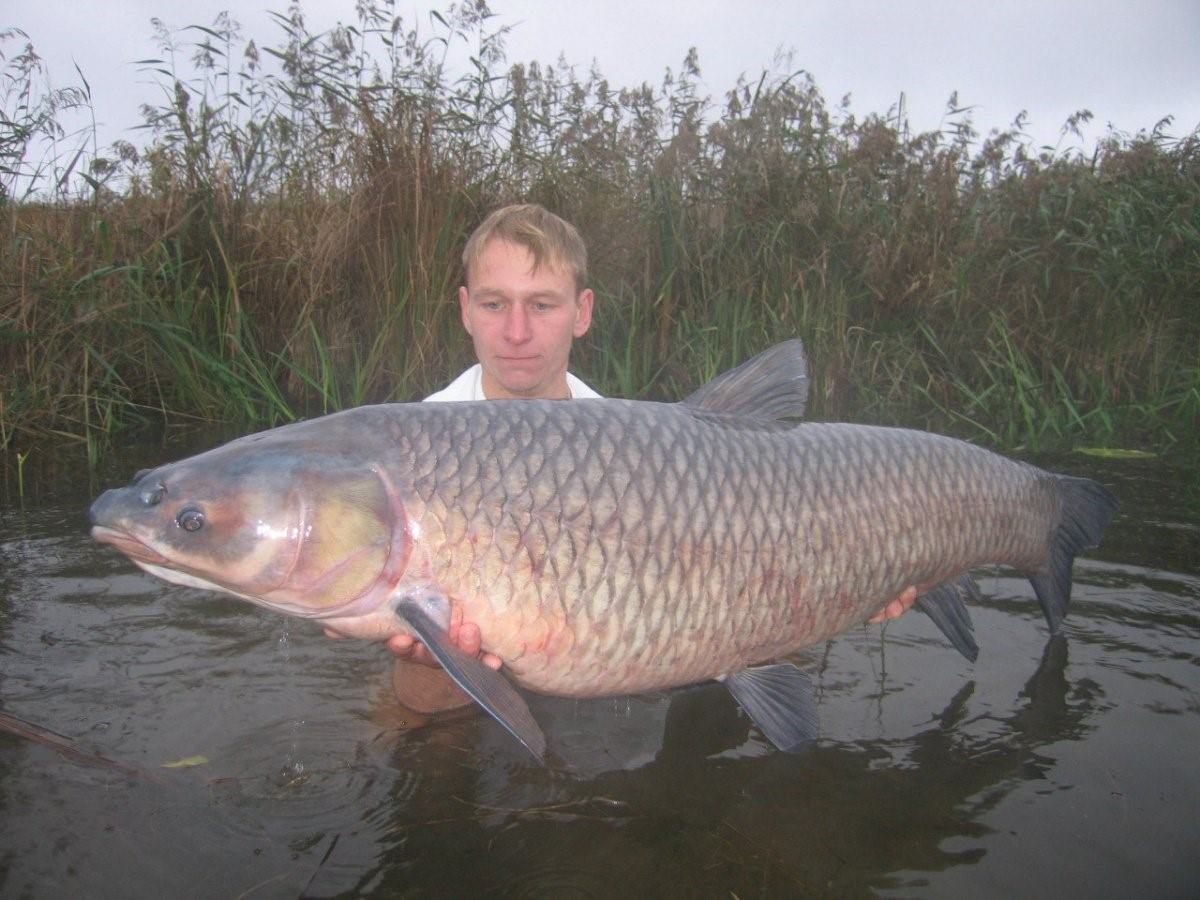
x,y
128,544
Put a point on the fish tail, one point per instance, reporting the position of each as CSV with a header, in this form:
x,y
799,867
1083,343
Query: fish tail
x,y
1086,507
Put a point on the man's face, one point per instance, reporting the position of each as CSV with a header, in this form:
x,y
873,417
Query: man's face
x,y
522,322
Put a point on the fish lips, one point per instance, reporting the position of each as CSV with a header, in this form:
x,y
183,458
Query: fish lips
x,y
128,544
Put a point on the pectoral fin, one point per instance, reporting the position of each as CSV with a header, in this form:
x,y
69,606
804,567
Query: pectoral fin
x,y
487,687
779,699
944,604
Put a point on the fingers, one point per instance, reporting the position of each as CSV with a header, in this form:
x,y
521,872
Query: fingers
x,y
468,639
466,636
897,607
470,642
408,648
401,644
891,611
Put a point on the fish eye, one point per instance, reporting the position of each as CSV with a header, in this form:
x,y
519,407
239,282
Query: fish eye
x,y
190,519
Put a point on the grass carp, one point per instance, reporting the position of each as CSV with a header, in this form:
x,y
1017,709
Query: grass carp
x,y
609,546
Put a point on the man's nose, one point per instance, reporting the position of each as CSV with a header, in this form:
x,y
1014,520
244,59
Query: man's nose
x,y
516,325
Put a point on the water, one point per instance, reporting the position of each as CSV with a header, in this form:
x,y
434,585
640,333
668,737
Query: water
x,y
1047,768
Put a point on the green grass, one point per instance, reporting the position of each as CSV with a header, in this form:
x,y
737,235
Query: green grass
x,y
286,244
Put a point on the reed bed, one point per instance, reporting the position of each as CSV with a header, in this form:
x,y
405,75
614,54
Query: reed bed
x,y
286,242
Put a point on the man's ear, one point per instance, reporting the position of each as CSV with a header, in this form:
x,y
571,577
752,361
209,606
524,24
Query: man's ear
x,y
583,305
464,304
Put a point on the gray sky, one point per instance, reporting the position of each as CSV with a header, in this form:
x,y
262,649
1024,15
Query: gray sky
x,y
1130,63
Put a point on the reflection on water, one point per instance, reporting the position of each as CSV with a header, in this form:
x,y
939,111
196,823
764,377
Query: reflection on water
x,y
1047,767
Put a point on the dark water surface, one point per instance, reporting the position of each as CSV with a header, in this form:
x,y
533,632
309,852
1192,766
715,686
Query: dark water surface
x,y
1049,768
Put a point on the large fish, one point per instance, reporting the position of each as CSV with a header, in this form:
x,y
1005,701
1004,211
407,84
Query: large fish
x,y
609,546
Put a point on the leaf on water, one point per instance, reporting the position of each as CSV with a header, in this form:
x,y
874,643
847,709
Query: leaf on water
x,y
187,762
1115,453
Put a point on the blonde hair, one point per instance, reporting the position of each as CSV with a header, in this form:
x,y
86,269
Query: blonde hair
x,y
551,240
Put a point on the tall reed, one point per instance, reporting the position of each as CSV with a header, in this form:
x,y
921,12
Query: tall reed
x,y
285,243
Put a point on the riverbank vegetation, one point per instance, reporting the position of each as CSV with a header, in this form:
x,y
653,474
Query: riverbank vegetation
x,y
285,242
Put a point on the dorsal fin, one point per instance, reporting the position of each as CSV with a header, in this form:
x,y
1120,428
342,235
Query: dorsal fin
x,y
772,385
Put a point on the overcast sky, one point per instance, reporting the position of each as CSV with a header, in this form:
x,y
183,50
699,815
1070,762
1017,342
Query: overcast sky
x,y
1130,63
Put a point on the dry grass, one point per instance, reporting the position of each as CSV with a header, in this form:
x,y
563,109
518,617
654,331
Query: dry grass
x,y
287,244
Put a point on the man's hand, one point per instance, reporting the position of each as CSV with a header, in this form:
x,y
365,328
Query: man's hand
x,y
419,681
464,635
896,608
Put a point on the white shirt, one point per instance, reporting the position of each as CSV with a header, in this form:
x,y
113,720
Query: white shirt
x,y
469,386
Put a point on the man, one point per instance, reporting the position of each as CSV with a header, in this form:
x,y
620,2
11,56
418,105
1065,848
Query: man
x,y
523,304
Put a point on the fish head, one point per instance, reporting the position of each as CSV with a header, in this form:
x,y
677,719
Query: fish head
x,y
304,533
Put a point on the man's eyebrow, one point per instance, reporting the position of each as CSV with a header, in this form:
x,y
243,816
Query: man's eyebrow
x,y
485,291
489,293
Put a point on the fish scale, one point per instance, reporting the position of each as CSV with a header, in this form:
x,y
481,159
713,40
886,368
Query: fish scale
x,y
609,546
626,539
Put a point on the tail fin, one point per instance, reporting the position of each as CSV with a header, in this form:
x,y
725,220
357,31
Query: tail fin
x,y
1087,507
